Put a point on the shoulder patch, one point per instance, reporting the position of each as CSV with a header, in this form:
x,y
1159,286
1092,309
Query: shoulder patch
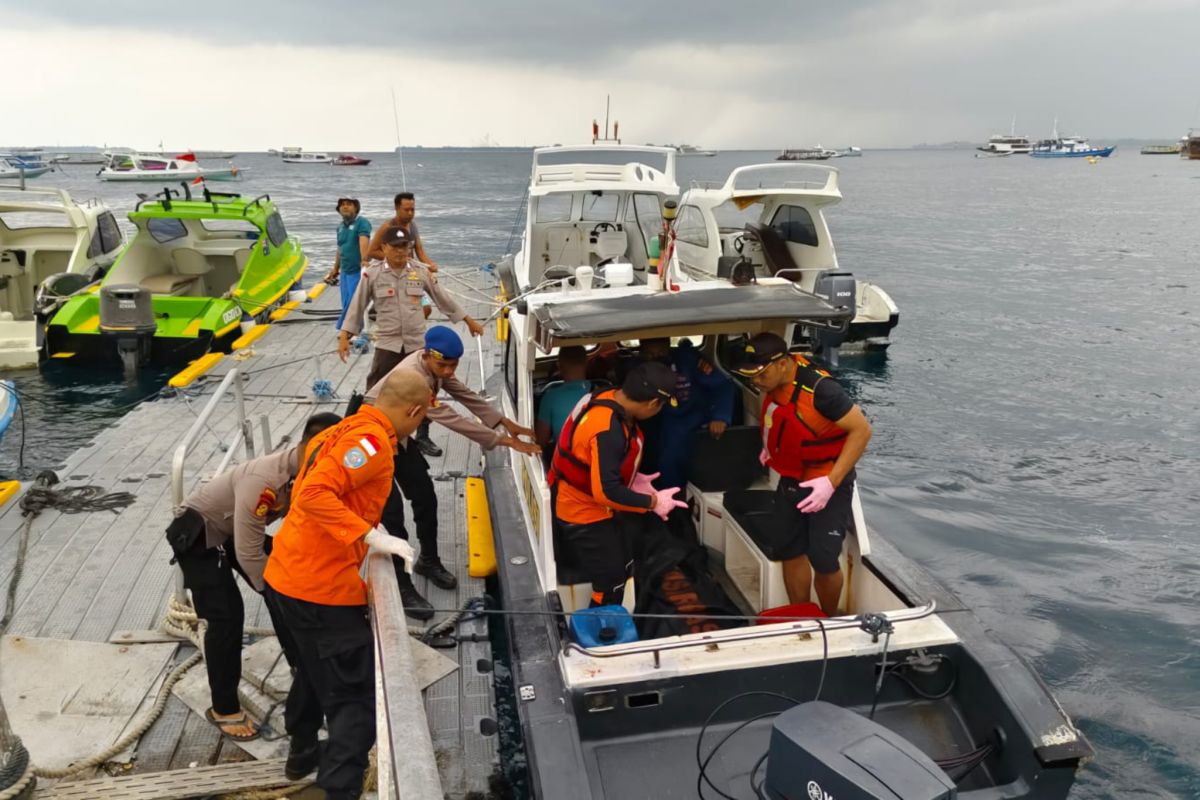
x,y
266,501
370,444
354,458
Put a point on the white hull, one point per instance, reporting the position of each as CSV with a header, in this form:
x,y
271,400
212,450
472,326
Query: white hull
x,y
171,175
18,344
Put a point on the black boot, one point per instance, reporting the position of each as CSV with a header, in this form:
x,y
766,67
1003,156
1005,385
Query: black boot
x,y
415,605
301,759
433,569
425,444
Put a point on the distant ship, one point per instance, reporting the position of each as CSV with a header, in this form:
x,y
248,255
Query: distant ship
x,y
816,153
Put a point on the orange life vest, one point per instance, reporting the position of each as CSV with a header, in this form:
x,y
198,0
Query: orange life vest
x,y
595,411
800,442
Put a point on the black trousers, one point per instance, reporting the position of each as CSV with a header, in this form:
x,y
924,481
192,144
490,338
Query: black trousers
x,y
332,651
602,552
411,479
209,574
383,362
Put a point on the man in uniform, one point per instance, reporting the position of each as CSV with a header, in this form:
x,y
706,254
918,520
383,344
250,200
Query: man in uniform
x,y
813,435
317,599
595,480
396,287
436,363
220,529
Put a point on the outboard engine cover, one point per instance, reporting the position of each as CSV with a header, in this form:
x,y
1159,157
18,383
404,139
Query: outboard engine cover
x,y
837,289
820,751
127,314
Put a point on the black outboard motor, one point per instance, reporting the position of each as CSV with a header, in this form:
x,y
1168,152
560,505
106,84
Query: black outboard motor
x,y
127,316
837,289
820,751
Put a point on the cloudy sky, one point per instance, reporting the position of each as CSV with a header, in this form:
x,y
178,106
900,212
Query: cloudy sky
x,y
264,73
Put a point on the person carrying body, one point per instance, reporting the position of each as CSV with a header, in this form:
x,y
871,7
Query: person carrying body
x,y
813,435
559,398
396,286
314,591
436,363
595,480
220,530
353,236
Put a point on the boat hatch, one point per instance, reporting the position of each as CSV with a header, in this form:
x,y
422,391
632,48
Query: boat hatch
x,y
722,309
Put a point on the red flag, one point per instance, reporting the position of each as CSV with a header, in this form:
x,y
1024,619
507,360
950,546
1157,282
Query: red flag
x,y
186,157
198,180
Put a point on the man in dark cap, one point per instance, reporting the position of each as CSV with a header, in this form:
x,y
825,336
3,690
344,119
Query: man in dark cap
x,y
396,286
595,480
436,362
353,236
813,435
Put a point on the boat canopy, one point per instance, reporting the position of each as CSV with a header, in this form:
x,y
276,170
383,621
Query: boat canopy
x,y
603,168
819,183
716,309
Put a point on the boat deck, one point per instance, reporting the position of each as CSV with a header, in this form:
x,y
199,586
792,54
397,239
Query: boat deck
x,y
96,577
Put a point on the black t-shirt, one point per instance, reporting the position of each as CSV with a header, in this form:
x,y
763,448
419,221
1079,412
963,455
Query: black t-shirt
x,y
831,400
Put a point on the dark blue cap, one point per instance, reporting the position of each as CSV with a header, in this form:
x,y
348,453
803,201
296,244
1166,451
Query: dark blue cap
x,y
443,342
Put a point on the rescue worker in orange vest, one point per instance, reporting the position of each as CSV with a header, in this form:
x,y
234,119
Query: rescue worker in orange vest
x,y
318,601
595,479
813,435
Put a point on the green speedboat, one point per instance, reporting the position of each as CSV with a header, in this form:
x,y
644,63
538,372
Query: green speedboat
x,y
194,271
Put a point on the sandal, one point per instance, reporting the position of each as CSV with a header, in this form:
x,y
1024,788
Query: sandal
x,y
223,725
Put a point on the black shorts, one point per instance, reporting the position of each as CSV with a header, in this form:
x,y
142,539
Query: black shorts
x,y
818,535
600,552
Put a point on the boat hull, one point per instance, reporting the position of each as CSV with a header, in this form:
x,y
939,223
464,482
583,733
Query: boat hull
x,y
170,176
1094,152
31,172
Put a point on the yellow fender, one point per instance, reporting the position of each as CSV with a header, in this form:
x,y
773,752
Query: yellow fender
x,y
481,546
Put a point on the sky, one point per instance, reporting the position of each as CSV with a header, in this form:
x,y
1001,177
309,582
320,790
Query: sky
x,y
746,74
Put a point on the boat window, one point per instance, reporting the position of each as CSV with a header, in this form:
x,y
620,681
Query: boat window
x,y
599,207
646,212
510,367
275,229
166,230
553,208
795,224
110,233
690,227
230,228
733,215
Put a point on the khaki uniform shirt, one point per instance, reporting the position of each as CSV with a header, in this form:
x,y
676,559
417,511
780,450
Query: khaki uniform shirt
x,y
240,503
397,298
481,433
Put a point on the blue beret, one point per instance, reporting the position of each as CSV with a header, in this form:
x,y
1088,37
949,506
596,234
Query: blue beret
x,y
444,341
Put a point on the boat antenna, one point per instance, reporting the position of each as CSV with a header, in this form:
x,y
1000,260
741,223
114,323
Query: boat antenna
x,y
399,146
607,103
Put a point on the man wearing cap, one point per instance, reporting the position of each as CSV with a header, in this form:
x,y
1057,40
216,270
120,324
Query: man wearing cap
x,y
436,363
314,591
595,480
396,286
813,435
353,236
220,531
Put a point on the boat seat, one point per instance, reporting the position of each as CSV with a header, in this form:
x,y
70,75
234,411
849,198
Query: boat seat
x,y
608,244
775,249
241,258
190,262
169,283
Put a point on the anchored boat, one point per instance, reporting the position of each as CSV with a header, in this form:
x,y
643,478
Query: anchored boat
x,y
902,694
51,248
147,167
768,220
22,166
294,155
194,271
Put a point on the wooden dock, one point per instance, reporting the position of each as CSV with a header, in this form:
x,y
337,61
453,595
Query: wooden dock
x,y
95,576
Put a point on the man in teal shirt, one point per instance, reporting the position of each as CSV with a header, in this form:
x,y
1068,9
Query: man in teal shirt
x,y
560,398
353,236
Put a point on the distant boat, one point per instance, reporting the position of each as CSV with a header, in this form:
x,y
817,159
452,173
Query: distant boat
x,y
148,167
816,153
1190,146
1068,147
222,154
1161,150
691,150
346,160
850,152
16,166
295,155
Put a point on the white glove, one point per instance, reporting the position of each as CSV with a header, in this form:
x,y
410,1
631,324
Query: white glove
x,y
383,542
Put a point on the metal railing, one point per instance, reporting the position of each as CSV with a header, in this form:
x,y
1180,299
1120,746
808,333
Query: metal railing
x,y
407,767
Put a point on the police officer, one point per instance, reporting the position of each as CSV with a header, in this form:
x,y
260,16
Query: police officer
x,y
813,435
317,599
436,363
705,399
396,287
595,480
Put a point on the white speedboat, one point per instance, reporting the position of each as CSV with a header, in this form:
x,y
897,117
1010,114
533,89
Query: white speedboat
x,y
849,152
18,166
294,155
768,220
902,693
1007,144
149,167
51,248
815,153
692,150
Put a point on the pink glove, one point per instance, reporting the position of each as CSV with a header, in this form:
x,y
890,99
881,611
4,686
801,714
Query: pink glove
x,y
822,490
665,502
643,483
763,457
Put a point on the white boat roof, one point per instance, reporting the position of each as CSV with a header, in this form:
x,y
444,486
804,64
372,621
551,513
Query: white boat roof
x,y
44,199
602,167
815,182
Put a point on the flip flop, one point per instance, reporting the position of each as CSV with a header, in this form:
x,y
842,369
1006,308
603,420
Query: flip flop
x,y
224,724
